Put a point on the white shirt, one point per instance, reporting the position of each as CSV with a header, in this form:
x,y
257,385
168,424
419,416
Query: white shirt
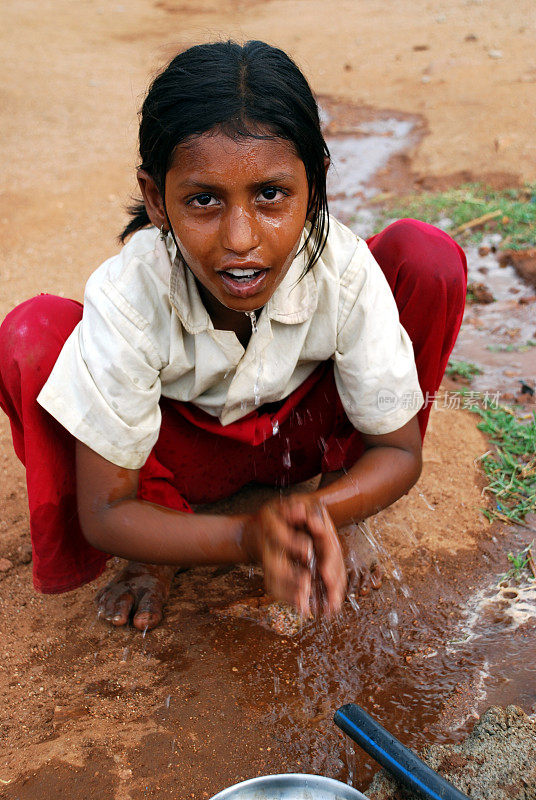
x,y
145,333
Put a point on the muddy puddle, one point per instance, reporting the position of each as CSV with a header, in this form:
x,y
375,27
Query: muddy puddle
x,y
499,337
424,661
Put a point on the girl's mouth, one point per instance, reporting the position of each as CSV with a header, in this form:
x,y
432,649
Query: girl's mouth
x,y
243,282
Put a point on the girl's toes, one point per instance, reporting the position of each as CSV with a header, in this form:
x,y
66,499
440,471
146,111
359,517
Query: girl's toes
x,y
116,608
149,612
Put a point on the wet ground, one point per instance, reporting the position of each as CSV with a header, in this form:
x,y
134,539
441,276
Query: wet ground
x,y
209,699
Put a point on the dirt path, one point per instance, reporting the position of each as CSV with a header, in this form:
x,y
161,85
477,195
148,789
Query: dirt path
x,y
183,712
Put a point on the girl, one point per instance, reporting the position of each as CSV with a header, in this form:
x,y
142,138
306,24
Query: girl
x,y
240,335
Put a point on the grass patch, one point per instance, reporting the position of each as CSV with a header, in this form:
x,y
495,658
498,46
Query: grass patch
x,y
511,348
462,369
521,563
511,469
516,221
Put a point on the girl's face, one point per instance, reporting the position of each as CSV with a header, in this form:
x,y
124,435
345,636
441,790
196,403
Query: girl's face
x,y
237,208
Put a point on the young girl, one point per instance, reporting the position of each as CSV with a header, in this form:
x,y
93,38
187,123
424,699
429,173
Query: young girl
x,y
241,335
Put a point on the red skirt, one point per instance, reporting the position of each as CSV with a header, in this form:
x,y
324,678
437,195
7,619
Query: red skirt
x,y
196,459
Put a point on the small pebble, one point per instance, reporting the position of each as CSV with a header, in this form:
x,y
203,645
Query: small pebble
x,y
5,564
25,553
495,53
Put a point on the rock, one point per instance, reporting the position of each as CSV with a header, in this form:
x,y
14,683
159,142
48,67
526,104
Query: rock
x,y
484,250
495,53
496,761
526,299
5,564
523,261
479,293
277,617
64,714
25,553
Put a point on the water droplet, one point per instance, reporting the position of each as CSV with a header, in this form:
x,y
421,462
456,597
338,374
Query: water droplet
x,y
168,700
253,319
124,657
353,602
421,495
276,684
286,460
275,427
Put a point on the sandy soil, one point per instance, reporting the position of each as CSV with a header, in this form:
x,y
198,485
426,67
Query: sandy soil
x,y
87,709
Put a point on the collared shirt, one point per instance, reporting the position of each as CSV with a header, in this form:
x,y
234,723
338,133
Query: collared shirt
x,y
145,333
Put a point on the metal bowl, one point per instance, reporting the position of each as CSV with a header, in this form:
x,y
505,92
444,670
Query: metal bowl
x,y
292,786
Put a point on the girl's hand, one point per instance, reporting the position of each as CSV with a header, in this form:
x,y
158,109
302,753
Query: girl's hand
x,y
297,544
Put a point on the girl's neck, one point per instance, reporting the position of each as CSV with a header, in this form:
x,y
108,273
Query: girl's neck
x,y
226,319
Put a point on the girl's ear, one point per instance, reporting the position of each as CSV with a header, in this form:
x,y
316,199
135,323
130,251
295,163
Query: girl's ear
x,y
152,198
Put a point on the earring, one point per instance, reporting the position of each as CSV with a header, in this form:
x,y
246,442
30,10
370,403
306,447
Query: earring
x,y
163,233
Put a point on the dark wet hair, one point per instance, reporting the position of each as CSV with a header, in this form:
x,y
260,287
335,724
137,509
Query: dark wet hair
x,y
254,90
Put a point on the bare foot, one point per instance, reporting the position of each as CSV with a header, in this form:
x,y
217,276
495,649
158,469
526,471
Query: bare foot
x,y
364,571
140,590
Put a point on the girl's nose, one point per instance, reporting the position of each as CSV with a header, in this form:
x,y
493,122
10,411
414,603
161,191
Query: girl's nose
x,y
239,230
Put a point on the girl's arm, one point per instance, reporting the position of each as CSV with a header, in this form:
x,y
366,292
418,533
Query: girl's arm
x,y
278,536
114,520
390,466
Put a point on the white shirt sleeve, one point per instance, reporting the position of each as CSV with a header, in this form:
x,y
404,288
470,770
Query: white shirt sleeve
x,y
105,386
375,370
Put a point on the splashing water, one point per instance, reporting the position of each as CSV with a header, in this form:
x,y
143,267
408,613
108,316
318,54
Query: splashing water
x,y
254,330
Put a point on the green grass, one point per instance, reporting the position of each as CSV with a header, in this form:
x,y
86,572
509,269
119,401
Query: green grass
x,y
516,223
511,468
520,565
511,348
462,369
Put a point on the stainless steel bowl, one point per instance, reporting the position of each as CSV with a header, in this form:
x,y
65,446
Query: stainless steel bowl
x,y
292,786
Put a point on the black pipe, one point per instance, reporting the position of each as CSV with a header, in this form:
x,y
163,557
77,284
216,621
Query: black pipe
x,y
398,760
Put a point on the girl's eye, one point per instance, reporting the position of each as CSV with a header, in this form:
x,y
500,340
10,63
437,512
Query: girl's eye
x,y
202,200
271,193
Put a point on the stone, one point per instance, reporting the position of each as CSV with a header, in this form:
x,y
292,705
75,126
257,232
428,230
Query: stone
x,y
495,762
523,261
25,553
5,564
63,714
479,293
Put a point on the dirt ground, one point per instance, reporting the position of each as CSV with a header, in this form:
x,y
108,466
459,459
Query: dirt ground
x,y
106,713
